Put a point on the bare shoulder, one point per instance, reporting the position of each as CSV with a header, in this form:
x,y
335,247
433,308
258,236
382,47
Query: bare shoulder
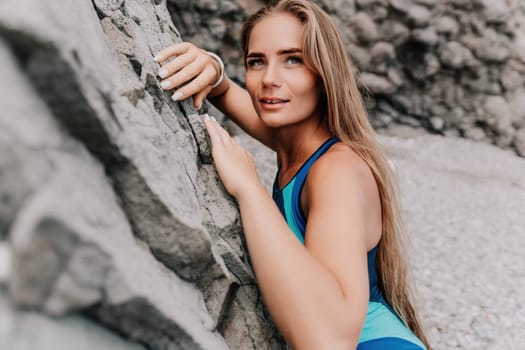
x,y
341,166
342,179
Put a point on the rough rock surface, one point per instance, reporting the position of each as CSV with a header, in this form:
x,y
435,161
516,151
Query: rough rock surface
x,y
110,205
24,329
435,65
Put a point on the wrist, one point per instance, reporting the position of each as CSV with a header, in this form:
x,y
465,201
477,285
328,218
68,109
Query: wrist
x,y
253,192
220,75
221,89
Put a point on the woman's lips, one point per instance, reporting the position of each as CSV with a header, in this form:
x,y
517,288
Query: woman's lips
x,y
272,102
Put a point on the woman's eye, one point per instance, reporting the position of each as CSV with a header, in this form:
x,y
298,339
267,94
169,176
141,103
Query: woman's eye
x,y
255,63
294,60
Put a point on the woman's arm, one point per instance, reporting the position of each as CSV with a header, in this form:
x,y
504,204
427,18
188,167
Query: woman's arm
x,y
318,293
192,72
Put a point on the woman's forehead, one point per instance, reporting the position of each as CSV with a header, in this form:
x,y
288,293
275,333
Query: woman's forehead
x,y
276,32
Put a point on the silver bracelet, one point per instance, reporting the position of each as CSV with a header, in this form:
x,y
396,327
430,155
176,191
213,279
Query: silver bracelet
x,y
221,64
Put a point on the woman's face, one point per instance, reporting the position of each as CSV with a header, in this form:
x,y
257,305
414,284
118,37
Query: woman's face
x,y
283,90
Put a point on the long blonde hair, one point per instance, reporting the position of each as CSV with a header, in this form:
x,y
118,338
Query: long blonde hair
x,y
346,118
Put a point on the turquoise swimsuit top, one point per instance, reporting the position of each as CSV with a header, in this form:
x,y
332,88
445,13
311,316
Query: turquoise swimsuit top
x,y
382,329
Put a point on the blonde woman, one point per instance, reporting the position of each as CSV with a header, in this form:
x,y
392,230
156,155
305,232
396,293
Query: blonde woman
x,y
326,250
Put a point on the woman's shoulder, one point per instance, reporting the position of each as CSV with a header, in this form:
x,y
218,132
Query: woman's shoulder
x,y
341,170
340,160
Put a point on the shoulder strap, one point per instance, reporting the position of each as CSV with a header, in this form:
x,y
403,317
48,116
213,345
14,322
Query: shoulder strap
x,y
301,179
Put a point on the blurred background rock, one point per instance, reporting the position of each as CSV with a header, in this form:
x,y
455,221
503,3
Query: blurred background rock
x,y
454,68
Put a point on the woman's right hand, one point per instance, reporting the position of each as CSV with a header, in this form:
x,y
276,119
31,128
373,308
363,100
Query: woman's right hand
x,y
192,72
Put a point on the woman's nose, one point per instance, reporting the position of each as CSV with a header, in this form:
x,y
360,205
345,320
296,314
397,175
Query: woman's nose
x,y
271,76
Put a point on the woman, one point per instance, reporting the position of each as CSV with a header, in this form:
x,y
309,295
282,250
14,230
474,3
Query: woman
x,y
327,257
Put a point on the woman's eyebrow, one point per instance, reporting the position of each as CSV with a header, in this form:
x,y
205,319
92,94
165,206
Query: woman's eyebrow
x,y
289,51
286,51
255,54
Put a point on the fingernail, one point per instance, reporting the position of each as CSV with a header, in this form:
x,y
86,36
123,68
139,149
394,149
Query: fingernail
x,y
163,72
213,118
165,84
176,96
199,106
205,117
157,58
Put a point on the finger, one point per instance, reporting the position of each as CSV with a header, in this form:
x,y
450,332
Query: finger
x,y
188,73
198,82
172,50
213,131
201,85
226,138
179,64
199,98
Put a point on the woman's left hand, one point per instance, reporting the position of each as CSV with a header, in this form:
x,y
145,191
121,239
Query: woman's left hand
x,y
234,164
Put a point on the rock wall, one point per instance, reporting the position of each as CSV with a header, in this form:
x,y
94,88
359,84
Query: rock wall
x,y
452,67
115,229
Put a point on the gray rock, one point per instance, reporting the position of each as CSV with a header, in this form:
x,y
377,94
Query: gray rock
x,y
426,36
451,133
518,47
377,84
360,56
432,65
345,9
394,32
381,51
364,27
427,3
476,134
439,110
5,262
517,107
81,243
142,181
498,113
496,11
513,75
108,7
401,5
73,248
72,244
519,142
447,25
217,27
454,54
229,7
378,13
32,330
492,46
482,81
207,5
419,16
364,3
395,76
437,123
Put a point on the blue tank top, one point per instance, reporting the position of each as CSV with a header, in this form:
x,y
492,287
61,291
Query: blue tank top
x,y
382,328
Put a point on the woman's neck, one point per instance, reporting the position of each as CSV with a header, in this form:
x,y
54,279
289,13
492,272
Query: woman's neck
x,y
295,145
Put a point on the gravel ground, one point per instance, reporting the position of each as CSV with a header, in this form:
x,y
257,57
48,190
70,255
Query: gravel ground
x,y
464,206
